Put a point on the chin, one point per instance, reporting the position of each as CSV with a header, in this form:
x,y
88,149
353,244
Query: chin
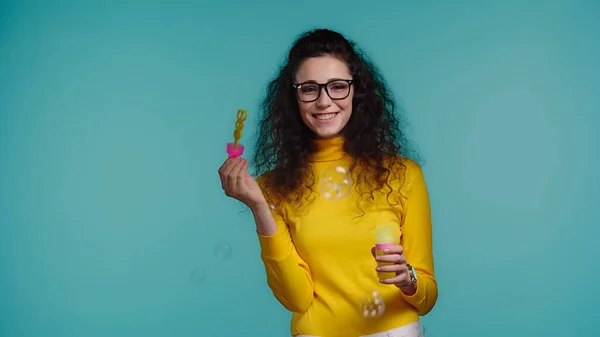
x,y
327,133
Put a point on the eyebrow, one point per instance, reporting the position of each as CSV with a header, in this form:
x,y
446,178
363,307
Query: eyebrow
x,y
329,80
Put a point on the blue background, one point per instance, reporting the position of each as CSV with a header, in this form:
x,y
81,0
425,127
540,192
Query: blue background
x,y
114,117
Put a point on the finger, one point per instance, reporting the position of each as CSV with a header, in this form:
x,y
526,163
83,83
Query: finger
x,y
394,268
244,170
225,169
400,280
241,172
396,249
247,174
239,167
227,164
395,258
234,174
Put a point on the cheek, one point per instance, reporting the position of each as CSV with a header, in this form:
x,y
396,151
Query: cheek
x,y
304,112
346,105
305,108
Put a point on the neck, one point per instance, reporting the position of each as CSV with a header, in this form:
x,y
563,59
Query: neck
x,y
328,149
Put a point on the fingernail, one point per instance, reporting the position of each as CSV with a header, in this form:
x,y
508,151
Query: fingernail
x,y
386,250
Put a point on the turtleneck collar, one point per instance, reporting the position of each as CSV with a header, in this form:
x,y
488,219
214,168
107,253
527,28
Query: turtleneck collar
x,y
329,149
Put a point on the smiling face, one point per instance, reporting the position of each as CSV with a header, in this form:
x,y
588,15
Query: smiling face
x,y
325,116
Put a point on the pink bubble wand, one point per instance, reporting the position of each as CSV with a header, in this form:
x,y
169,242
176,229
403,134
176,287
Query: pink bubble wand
x,y
234,149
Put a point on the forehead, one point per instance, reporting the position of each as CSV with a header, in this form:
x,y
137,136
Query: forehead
x,y
322,69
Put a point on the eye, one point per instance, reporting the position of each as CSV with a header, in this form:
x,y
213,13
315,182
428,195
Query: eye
x,y
338,86
308,88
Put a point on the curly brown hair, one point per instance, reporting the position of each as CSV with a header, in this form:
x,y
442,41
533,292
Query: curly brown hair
x,y
373,135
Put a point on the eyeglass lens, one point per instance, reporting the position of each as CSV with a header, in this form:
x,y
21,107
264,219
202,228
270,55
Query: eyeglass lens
x,y
335,90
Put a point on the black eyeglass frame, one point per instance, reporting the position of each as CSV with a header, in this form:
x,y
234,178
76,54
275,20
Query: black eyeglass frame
x,y
321,86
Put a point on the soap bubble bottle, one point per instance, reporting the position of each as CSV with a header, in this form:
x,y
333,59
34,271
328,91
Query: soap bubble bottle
x,y
384,238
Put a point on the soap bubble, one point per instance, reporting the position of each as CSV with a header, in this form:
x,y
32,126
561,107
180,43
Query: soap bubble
x,y
198,276
373,306
335,183
223,251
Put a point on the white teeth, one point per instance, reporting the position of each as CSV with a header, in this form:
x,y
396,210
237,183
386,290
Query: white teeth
x,y
325,116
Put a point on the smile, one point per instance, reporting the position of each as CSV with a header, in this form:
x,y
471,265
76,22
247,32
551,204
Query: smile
x,y
324,117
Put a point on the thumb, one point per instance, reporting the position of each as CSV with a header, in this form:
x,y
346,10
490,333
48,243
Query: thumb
x,y
245,168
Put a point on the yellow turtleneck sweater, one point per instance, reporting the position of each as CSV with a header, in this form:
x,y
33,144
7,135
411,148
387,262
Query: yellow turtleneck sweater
x,y
319,263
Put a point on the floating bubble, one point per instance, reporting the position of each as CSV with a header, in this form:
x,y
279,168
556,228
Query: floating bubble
x,y
198,276
335,183
223,251
373,306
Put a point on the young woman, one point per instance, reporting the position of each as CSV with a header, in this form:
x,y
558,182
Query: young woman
x,y
333,168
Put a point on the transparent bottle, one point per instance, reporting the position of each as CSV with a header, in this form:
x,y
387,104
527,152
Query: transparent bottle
x,y
384,238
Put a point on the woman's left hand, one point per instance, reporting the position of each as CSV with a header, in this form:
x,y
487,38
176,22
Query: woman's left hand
x,y
395,255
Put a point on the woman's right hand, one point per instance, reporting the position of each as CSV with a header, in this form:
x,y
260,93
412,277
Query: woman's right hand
x,y
239,184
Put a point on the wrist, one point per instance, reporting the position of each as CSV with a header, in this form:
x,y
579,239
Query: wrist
x,y
259,207
265,223
410,289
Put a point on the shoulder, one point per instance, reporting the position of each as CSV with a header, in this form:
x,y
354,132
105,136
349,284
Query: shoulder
x,y
264,184
410,166
407,170
414,178
261,180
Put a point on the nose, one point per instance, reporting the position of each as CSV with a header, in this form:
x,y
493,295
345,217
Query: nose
x,y
324,99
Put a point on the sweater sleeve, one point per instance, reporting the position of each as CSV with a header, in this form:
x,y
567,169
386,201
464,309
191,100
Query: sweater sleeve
x,y
417,240
288,275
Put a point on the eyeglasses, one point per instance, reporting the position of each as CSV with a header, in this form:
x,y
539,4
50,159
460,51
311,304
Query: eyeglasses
x,y
311,91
